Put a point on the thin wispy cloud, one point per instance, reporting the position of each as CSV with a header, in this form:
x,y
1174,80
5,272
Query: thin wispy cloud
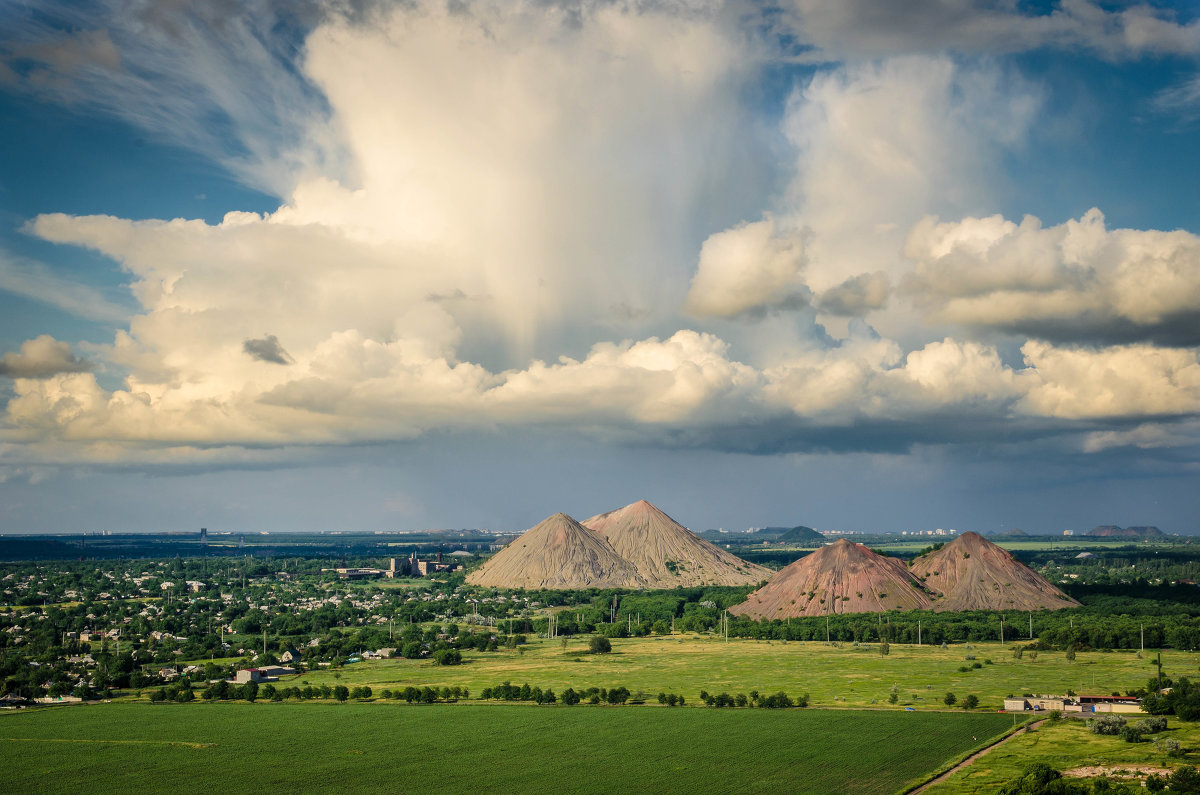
x,y
221,79
37,282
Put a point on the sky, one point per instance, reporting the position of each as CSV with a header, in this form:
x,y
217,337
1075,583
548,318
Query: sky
x,y
363,265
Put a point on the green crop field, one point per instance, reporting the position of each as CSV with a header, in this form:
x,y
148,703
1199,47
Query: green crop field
x,y
832,676
240,747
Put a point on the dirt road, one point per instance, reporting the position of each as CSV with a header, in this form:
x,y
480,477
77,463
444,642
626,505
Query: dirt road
x,y
970,759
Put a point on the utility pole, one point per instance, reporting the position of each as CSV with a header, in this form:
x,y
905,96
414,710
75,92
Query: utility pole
x,y
1001,629
918,632
1031,625
826,628
1143,632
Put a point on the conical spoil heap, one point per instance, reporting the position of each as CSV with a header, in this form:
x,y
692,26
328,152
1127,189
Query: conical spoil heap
x,y
840,578
972,573
668,555
557,553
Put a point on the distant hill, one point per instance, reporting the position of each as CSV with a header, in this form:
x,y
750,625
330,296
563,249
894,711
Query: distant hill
x,y
801,535
668,555
1112,531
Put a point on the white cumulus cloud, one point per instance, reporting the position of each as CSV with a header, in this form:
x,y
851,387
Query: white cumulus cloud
x,y
1075,281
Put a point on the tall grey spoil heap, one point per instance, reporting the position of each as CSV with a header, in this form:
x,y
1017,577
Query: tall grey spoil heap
x,y
557,553
668,555
972,573
842,577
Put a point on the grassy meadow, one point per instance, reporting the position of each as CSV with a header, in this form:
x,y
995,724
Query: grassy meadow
x,y
1068,745
842,676
240,747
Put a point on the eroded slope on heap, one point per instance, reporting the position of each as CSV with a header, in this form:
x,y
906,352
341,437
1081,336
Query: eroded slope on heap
x,y
972,573
668,555
840,578
557,553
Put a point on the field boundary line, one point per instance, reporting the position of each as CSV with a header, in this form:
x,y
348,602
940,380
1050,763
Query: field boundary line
x,y
82,741
970,758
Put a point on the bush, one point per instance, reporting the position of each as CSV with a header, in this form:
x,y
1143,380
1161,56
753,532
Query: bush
x,y
412,650
1037,778
447,657
970,702
1107,724
950,699
1130,734
1168,746
781,701
600,645
618,695
1185,779
1151,725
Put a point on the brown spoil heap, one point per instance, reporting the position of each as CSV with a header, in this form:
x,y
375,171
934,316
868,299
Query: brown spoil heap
x,y
668,555
972,573
840,578
557,553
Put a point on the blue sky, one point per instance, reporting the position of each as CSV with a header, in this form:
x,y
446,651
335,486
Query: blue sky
x,y
295,267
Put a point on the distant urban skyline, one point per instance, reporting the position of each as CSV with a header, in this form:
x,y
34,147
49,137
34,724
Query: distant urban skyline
x,y
280,266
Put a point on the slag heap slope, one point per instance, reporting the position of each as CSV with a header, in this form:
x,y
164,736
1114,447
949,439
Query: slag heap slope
x,y
840,578
557,553
972,573
668,555
1112,531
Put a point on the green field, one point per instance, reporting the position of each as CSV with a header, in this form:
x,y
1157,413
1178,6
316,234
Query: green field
x,y
240,747
832,676
1065,746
